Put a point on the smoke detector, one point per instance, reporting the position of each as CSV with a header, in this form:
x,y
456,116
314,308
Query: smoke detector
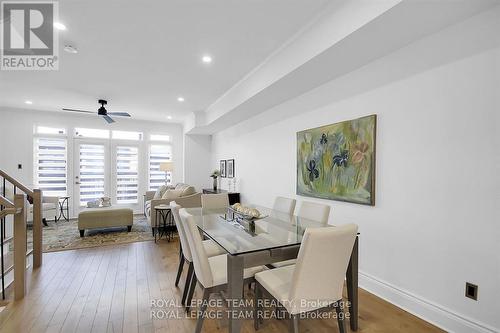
x,y
70,49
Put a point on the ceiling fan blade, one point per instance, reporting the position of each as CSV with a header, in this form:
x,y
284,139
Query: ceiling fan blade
x,y
120,114
108,119
74,110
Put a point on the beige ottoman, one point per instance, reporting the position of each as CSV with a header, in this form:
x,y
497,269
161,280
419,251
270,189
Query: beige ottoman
x,y
93,218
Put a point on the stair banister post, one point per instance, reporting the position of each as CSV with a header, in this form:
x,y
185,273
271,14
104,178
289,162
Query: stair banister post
x,y
37,228
20,246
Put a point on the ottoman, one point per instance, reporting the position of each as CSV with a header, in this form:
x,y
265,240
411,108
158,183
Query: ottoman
x,y
105,217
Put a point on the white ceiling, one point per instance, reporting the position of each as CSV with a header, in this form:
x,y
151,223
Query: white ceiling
x,y
142,55
345,38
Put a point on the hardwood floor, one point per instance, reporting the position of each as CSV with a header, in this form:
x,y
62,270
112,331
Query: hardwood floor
x,y
110,289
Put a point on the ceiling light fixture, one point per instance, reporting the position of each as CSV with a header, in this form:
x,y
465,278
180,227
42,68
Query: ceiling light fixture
x,y
169,117
206,59
59,26
28,102
70,49
180,99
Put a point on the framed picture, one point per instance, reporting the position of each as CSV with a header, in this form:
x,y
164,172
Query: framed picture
x,y
230,168
337,161
223,168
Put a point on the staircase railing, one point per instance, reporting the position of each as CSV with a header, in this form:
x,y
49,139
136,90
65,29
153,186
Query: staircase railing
x,y
19,209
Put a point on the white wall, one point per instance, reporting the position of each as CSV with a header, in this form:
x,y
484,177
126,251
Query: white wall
x,y
16,140
197,157
435,222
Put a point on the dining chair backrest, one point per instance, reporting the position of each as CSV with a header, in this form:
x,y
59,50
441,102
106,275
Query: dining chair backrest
x,y
200,259
186,251
322,264
314,211
214,201
284,205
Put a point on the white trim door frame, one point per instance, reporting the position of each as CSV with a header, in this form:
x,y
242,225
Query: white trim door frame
x,y
92,170
133,168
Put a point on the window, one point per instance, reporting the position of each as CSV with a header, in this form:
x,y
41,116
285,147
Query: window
x,y
50,166
127,175
92,133
50,130
92,172
157,155
125,135
159,137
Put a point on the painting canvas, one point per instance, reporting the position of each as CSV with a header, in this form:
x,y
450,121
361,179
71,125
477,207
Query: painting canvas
x,y
230,168
223,168
337,161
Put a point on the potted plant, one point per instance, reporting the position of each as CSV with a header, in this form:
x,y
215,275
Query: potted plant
x,y
215,175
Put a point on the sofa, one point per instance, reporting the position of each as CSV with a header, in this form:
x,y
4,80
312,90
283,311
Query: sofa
x,y
183,194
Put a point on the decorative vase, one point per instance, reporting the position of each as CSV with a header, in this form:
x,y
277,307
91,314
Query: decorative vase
x,y
215,183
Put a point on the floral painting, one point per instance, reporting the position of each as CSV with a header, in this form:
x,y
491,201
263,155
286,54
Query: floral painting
x,y
337,161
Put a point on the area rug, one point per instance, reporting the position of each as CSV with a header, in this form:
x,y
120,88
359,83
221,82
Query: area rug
x,y
64,235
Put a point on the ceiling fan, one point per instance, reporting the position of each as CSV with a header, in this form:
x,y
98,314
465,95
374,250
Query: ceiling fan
x,y
103,112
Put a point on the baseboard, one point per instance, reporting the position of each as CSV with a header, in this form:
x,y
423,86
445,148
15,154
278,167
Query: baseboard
x,y
428,311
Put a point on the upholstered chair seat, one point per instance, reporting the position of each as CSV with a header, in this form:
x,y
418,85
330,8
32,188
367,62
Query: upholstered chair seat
x,y
210,273
209,247
214,201
311,284
284,205
308,211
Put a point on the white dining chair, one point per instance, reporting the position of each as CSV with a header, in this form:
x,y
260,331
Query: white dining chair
x,y
284,205
309,211
313,283
314,211
211,249
211,273
214,201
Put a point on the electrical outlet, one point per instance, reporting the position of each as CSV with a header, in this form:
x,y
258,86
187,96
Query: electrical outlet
x,y
19,166
471,290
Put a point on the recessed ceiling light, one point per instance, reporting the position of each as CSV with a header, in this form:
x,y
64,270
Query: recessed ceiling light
x,y
180,99
28,102
206,59
59,26
70,49
169,117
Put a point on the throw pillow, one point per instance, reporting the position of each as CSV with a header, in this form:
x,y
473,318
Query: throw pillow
x,y
171,194
180,186
160,191
188,191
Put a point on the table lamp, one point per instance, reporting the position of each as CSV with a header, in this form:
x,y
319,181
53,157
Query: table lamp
x,y
167,167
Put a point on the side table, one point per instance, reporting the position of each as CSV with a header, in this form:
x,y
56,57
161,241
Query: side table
x,y
164,222
63,206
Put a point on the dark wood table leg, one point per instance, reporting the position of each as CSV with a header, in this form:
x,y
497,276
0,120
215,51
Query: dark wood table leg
x,y
234,290
352,286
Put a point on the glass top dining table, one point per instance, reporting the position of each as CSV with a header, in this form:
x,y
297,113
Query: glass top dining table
x,y
274,237
238,236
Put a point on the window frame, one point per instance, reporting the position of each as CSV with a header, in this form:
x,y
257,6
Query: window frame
x,y
140,138
114,169
170,159
36,164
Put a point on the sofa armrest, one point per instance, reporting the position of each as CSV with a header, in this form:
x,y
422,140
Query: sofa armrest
x,y
189,201
149,195
157,202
